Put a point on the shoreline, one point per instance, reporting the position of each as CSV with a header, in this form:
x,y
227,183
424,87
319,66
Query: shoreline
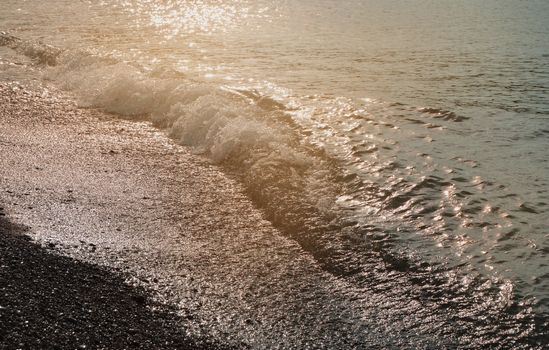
x,y
121,195
67,281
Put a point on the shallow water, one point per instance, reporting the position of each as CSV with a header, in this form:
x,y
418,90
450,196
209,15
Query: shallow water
x,y
402,146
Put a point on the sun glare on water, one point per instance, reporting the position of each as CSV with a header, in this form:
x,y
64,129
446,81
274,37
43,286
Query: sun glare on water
x,y
174,18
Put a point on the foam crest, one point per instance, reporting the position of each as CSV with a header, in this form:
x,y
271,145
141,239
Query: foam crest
x,y
243,130
42,53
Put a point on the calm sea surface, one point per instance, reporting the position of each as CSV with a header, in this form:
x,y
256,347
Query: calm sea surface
x,y
402,144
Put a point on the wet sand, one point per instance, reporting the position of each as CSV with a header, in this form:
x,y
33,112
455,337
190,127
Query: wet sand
x,y
76,205
122,195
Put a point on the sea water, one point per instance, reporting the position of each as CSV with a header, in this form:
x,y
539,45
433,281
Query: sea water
x,y
401,144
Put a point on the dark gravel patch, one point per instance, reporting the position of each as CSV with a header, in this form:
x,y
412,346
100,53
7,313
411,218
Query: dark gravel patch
x,y
54,302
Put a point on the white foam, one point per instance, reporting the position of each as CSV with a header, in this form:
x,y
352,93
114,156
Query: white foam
x,y
225,125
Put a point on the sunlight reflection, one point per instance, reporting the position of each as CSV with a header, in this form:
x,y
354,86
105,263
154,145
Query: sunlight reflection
x,y
175,17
